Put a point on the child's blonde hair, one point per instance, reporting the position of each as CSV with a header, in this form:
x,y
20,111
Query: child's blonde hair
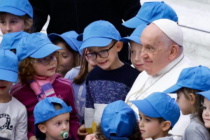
x,y
27,21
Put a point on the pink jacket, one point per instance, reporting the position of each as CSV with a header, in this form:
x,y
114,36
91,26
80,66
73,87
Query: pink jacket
x,y
63,90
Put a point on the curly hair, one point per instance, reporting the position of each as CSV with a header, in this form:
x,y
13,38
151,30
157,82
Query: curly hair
x,y
136,135
26,70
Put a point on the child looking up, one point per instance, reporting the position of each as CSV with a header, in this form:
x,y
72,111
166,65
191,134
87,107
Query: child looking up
x,y
52,119
69,56
38,78
158,114
12,113
192,80
112,79
15,15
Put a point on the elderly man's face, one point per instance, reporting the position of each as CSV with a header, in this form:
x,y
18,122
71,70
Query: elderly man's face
x,y
156,49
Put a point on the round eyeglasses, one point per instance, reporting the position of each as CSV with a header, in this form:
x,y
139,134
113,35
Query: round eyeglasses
x,y
46,60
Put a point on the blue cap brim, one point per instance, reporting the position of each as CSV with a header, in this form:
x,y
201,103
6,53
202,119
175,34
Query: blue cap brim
x,y
146,108
131,38
8,75
96,42
134,22
173,89
12,10
205,94
45,50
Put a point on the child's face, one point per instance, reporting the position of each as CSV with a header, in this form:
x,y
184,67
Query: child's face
x,y
55,126
91,62
150,127
106,57
206,113
46,66
136,55
184,104
5,87
11,23
66,59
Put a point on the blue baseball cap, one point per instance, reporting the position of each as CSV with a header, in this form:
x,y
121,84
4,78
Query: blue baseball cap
x,y
8,66
159,105
11,40
35,45
135,36
151,11
45,110
16,7
69,37
118,120
205,94
194,77
99,33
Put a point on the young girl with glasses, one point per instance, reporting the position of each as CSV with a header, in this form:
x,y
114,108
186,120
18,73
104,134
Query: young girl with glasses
x,y
38,79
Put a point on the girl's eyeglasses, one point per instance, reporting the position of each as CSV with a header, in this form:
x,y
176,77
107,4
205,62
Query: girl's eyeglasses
x,y
46,60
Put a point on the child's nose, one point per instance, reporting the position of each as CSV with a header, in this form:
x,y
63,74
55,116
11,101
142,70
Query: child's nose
x,y
8,27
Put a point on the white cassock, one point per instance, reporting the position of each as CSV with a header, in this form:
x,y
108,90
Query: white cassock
x,y
146,84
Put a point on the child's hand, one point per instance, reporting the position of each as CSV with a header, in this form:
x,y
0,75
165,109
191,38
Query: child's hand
x,y
90,137
82,131
32,138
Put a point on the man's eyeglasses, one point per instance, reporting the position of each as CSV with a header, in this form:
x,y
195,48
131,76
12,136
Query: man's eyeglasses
x,y
46,60
102,53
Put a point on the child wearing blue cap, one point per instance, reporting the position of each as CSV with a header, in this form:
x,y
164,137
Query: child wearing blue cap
x,y
111,79
12,113
78,77
52,116
191,81
158,114
151,11
15,15
135,47
205,113
69,56
118,122
38,78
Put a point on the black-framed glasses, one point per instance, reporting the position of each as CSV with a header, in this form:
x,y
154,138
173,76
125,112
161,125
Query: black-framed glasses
x,y
102,53
46,60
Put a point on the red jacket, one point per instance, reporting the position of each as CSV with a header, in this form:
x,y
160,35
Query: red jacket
x,y
63,90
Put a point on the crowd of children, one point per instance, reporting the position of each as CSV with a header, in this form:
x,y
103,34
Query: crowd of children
x,y
71,86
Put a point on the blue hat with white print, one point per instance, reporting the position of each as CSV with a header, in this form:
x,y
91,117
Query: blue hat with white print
x,y
8,66
118,120
159,105
151,11
16,7
35,45
135,36
99,34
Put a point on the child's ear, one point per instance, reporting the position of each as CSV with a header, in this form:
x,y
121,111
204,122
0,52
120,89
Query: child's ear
x,y
192,98
119,45
42,128
166,125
